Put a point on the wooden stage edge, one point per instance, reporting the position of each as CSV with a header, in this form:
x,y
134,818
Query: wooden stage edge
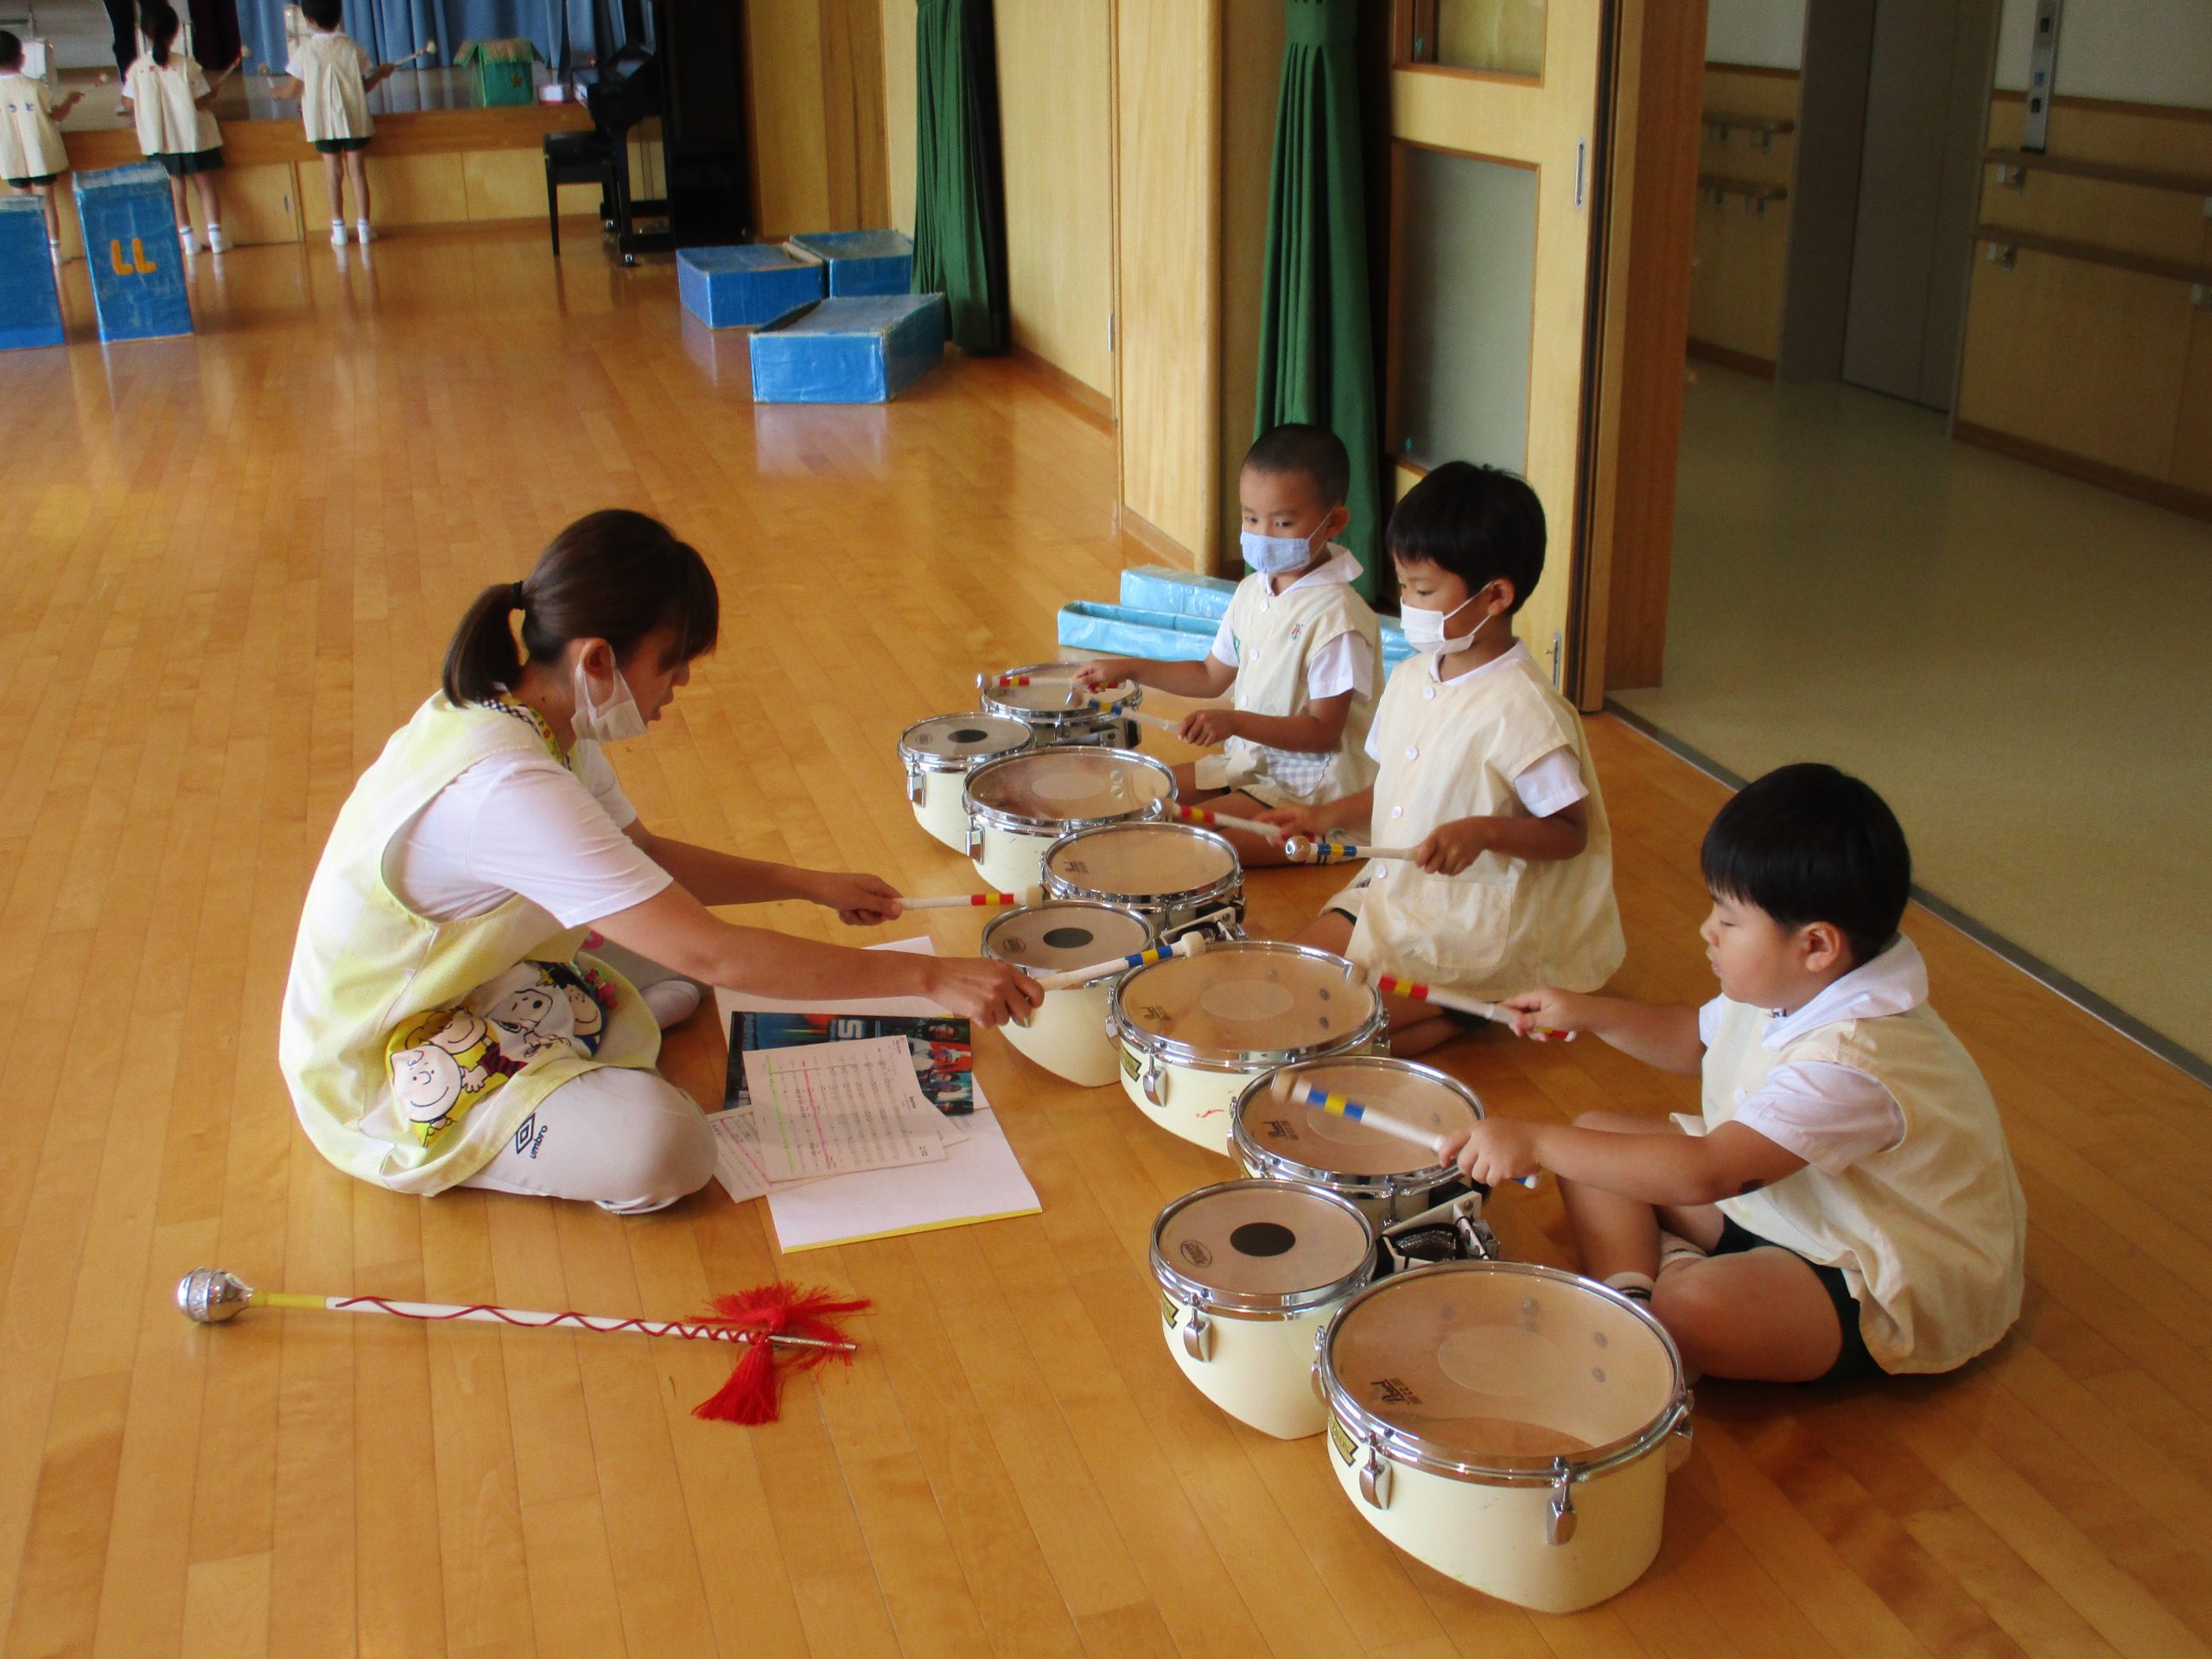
x,y
428,132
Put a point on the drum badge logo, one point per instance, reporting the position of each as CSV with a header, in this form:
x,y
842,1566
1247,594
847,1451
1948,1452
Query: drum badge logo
x,y
1395,1391
1282,1129
1195,1252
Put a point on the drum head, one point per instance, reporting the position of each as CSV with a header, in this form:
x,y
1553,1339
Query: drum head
x,y
1499,1365
1144,859
960,737
1308,1136
1070,784
1259,1240
1057,698
1051,938
1248,997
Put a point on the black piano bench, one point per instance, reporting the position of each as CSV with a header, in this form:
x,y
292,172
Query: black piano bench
x,y
579,158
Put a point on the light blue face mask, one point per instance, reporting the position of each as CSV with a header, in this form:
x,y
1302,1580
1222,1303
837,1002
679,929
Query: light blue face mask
x,y
1273,555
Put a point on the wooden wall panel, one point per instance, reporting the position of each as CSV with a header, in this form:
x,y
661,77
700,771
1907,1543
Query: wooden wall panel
x,y
791,160
1252,43
2192,464
430,190
1741,258
853,115
1168,130
898,109
1055,80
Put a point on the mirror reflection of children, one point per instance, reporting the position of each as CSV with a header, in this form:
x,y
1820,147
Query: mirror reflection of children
x,y
332,76
33,156
170,97
1299,650
1845,1205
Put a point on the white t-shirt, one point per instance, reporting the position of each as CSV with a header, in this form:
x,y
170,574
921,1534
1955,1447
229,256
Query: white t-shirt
x,y
331,69
1551,782
1830,1116
1341,665
523,823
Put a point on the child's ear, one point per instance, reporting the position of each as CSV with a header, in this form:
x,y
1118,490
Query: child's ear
x,y
1824,946
1504,587
1335,524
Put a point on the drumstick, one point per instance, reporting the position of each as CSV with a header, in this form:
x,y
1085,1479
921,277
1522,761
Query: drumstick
x,y
1305,851
962,900
988,681
1158,722
1191,945
429,50
1223,821
1283,1087
1504,1016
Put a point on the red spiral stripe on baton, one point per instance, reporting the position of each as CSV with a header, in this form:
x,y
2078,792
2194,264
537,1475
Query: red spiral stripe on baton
x,y
546,1322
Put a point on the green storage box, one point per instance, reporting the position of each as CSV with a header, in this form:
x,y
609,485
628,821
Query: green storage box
x,y
501,71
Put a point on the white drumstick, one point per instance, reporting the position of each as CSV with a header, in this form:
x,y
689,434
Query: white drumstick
x,y
963,900
1158,722
1413,991
1191,944
1282,1086
429,50
1305,851
1199,815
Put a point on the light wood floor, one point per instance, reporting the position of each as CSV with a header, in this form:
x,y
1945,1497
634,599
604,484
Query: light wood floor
x,y
230,570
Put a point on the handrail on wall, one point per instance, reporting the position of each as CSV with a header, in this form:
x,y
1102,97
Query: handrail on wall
x,y
2023,162
1764,129
2003,241
1719,187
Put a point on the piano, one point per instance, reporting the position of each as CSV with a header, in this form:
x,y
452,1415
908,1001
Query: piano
x,y
693,79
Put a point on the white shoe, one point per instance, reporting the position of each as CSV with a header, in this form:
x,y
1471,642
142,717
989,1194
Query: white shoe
x,y
217,242
337,233
364,232
186,240
54,251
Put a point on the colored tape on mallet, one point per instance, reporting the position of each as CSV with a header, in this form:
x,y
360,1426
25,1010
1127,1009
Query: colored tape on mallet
x,y
1412,992
1284,1087
964,900
1304,850
1199,815
1191,944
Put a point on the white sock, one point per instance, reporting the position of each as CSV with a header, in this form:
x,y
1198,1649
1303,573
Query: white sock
x,y
1674,1248
671,1001
1637,1285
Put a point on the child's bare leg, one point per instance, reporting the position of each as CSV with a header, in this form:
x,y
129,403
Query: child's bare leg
x,y
1762,1316
1415,1028
333,183
45,194
1614,1234
176,204
356,175
211,199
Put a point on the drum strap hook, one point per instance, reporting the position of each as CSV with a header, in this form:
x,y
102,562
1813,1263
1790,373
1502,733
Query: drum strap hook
x,y
1198,1336
1375,1476
1559,1526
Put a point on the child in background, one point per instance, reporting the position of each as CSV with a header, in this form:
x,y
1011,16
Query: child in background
x,y
333,77
1846,1207
169,96
32,155
1484,771
1299,648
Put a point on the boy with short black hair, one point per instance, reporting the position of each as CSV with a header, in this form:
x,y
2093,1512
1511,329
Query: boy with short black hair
x,y
333,78
1845,1205
32,155
1299,648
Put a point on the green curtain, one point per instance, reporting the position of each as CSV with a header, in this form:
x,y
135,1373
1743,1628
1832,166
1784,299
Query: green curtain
x,y
1317,358
959,193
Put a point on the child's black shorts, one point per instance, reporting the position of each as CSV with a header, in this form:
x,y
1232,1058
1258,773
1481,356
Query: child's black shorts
x,y
1854,1363
35,178
339,146
180,163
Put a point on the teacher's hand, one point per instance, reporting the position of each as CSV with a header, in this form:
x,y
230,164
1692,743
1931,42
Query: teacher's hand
x,y
989,993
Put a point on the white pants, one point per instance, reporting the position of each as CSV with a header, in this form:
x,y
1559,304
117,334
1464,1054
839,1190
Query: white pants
x,y
626,1140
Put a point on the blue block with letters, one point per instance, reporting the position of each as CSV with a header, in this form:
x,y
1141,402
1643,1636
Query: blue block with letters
x,y
745,286
130,246
862,261
1177,635
848,351
30,303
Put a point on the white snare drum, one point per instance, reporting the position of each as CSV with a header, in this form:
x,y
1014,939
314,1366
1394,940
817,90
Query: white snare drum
x,y
1172,873
1250,1273
940,753
1019,804
1194,1030
1388,1178
1512,1426
1067,1033
1057,713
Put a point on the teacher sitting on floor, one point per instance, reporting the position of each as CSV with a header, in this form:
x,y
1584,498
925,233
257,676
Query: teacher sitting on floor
x,y
442,1026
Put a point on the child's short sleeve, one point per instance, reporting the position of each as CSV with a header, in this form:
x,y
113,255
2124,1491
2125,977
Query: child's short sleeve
x,y
292,68
200,87
361,59
1709,1021
1551,783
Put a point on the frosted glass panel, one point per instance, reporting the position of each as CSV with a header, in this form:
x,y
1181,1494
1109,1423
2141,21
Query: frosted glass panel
x,y
1506,37
1467,306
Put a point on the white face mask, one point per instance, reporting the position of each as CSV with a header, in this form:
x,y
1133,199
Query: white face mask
x,y
605,722
1425,628
1271,555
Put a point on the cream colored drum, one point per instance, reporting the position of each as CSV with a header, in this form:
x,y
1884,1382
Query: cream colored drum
x,y
1057,713
1250,1273
940,753
1195,1030
1511,1425
1021,804
1067,1033
1388,1178
1174,874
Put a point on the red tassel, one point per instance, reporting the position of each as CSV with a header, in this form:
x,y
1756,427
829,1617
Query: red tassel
x,y
754,1392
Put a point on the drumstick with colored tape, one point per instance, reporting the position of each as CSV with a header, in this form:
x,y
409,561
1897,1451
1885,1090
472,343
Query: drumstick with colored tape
x,y
1199,815
987,681
1394,986
1191,945
1282,1086
1303,850
963,900
429,50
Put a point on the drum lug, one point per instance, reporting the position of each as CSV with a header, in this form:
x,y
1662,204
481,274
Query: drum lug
x,y
1374,1478
1152,1081
1559,1525
1198,1336
1678,1440
1313,1371
913,785
974,839
1132,734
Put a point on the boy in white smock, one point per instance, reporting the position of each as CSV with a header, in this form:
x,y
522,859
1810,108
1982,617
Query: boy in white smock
x,y
1300,650
1482,771
32,155
169,96
333,77
1845,1205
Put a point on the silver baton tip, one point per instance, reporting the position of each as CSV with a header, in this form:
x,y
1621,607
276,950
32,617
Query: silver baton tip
x,y
209,1295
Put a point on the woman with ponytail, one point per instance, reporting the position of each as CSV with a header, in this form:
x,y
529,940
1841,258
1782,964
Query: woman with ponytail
x,y
492,941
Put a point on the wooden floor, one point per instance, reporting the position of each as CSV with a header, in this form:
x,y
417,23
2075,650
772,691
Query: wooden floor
x,y
230,570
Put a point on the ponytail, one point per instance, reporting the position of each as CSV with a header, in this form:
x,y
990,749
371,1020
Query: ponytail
x,y
159,20
615,575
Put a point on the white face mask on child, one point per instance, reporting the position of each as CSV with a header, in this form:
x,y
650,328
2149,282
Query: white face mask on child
x,y
1271,555
1425,628
605,722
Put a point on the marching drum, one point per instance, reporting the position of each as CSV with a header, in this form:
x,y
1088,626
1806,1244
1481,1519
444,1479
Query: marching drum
x,y
1387,1176
1511,1425
1067,1033
940,753
1250,1273
1195,1030
1174,874
1019,804
1057,713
